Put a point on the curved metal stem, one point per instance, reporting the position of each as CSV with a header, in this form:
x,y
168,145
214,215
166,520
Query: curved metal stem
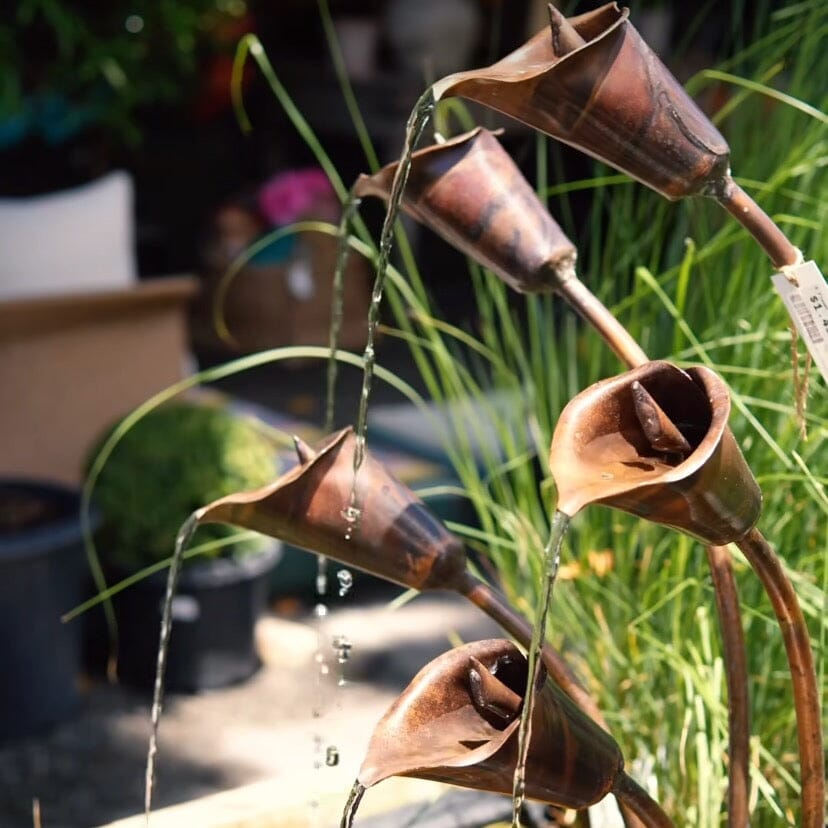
x,y
592,310
758,223
767,566
733,640
630,793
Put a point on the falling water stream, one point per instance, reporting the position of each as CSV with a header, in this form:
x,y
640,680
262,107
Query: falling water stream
x,y
337,302
551,563
350,809
414,128
185,534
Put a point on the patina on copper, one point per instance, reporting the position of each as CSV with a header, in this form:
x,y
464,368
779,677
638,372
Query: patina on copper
x,y
457,722
396,538
470,192
624,442
592,82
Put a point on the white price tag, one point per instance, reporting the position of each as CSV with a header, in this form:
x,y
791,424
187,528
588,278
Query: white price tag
x,y
805,293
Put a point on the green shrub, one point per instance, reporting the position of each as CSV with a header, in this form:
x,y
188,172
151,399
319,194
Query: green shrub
x,y
174,460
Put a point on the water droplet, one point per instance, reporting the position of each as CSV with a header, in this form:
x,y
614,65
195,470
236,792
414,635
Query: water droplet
x,y
324,669
352,515
321,584
320,610
346,581
331,756
342,646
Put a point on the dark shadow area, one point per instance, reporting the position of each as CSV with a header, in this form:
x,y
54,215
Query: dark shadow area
x,y
90,771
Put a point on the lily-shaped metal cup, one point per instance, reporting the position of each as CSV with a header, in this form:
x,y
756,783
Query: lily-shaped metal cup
x,y
396,538
592,82
469,191
457,722
655,442
613,444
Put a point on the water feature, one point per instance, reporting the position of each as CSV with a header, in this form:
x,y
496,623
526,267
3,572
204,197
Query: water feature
x,y
551,564
185,534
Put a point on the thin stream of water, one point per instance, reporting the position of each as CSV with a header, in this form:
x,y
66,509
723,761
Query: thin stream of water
x,y
551,564
349,210
414,129
185,534
351,806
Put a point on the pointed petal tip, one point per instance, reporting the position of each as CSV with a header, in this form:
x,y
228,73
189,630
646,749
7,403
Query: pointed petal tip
x,y
303,451
565,37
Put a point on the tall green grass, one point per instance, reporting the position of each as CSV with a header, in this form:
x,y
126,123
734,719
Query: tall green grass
x,y
693,288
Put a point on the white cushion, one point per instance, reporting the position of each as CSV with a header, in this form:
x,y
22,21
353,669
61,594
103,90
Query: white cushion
x,y
74,240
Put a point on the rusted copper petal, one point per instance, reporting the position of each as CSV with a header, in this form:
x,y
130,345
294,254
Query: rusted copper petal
x,y
470,192
397,537
612,446
457,723
606,93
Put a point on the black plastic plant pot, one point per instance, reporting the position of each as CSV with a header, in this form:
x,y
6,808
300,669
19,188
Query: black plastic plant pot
x,y
215,611
41,574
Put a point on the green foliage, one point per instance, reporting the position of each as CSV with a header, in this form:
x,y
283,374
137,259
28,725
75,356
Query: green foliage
x,y
67,65
174,460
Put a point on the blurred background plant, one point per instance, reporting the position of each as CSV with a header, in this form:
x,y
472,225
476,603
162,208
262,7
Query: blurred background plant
x,y
69,66
634,610
168,464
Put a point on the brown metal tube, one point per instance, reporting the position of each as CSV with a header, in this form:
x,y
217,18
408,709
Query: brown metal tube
x,y
767,566
591,309
733,640
631,794
758,223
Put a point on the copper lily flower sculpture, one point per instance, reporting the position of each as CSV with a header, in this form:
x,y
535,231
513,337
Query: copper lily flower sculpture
x,y
655,442
592,82
470,192
457,723
397,538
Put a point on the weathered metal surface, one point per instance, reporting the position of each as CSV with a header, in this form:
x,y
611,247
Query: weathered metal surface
x,y
457,723
396,538
470,192
615,443
592,82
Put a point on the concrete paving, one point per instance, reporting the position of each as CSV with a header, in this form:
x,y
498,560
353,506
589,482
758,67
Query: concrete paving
x,y
261,739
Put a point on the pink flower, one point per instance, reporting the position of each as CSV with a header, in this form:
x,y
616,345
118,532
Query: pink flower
x,y
293,194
